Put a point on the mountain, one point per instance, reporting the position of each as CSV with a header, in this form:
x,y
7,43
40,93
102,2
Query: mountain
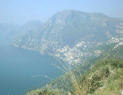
x,y
71,35
93,41
10,32
69,27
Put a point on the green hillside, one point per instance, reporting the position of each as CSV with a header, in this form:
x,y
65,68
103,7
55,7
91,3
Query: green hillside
x,y
101,76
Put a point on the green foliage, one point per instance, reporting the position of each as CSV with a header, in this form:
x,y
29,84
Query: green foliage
x,y
45,92
102,76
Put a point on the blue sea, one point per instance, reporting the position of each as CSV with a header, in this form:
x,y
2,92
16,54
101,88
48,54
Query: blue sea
x,y
22,70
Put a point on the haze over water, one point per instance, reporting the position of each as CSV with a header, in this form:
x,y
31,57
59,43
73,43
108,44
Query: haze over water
x,y
22,70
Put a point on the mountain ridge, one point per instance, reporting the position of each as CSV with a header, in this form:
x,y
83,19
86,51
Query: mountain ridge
x,y
66,29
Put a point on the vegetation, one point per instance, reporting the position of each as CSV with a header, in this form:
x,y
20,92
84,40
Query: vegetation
x,y
102,76
105,78
44,92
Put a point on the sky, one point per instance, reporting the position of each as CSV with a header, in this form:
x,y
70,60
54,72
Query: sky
x,y
22,11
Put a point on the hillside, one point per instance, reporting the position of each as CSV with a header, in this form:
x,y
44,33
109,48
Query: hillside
x,y
104,78
100,76
71,33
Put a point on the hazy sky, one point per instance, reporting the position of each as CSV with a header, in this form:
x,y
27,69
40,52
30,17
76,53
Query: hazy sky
x,y
21,11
